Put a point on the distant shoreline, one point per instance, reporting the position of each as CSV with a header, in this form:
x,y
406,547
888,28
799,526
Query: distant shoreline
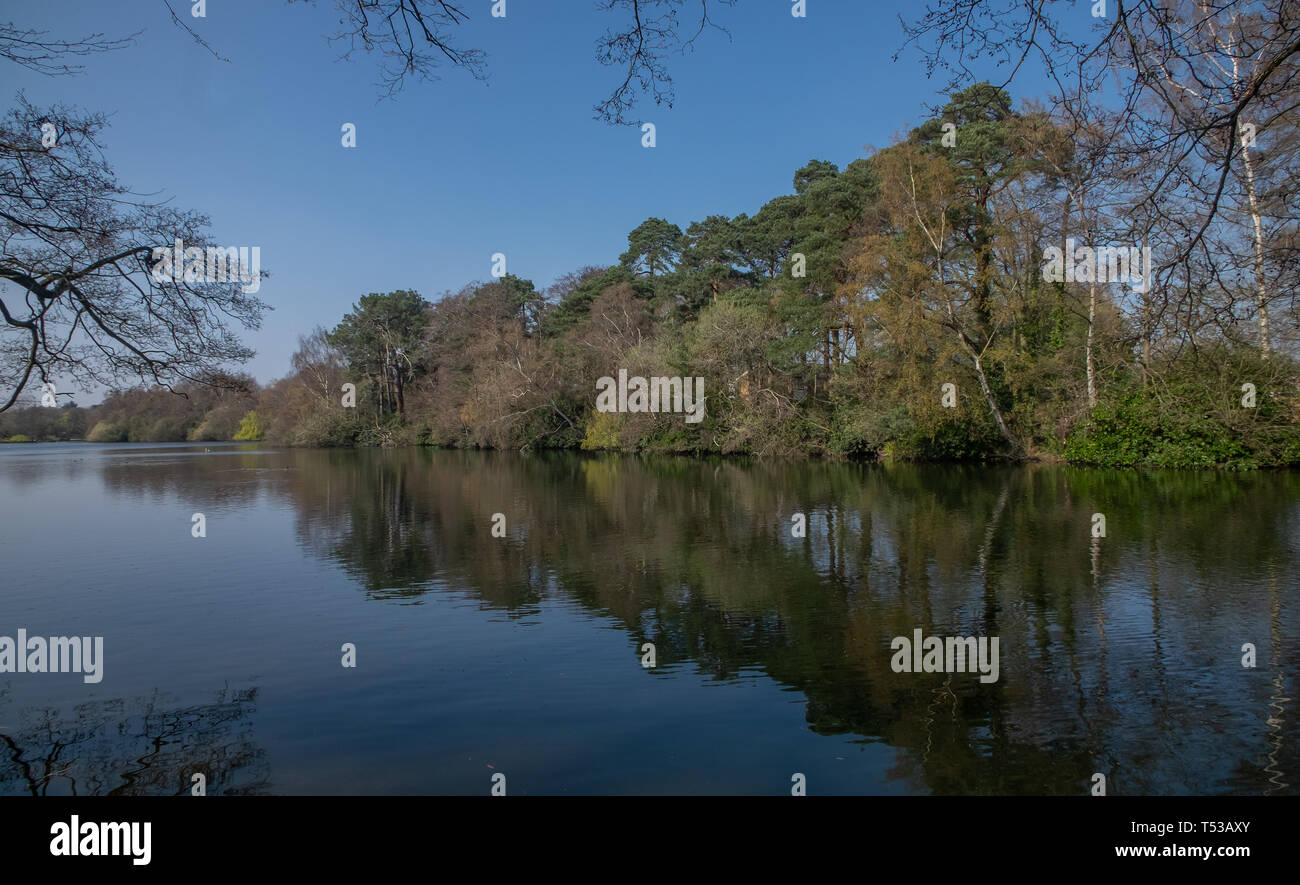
x,y
1005,460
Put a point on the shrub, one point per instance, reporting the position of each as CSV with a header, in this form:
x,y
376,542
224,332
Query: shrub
x,y
250,428
107,432
166,430
1193,417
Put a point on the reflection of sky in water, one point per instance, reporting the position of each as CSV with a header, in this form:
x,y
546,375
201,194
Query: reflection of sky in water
x,y
521,655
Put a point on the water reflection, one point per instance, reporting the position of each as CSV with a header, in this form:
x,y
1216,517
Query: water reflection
x,y
135,747
1120,655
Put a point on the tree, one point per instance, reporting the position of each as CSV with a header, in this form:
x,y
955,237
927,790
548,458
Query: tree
x,y
250,428
830,209
81,251
767,238
380,338
414,38
319,364
811,172
1092,183
36,51
574,294
710,255
653,248
983,157
1182,100
512,297
641,47
917,272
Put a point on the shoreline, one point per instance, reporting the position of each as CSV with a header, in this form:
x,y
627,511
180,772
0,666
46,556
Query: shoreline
x,y
1036,459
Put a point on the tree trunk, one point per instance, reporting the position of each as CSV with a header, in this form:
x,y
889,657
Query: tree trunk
x,y
1261,292
1146,319
987,391
1092,319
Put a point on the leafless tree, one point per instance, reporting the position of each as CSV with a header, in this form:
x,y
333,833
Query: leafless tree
x,y
1140,48
414,38
79,297
36,51
641,47
1206,94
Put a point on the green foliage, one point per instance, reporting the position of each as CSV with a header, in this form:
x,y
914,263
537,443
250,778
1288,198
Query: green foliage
x,y
653,248
1191,416
866,433
576,303
42,424
961,439
250,428
108,431
602,432
327,429
826,323
193,412
167,429
1139,430
380,340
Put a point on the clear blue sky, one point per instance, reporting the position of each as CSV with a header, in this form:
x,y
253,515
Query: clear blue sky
x,y
451,172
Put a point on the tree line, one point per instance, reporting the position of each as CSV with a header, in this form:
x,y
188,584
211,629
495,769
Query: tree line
x,y
194,412
896,308
902,307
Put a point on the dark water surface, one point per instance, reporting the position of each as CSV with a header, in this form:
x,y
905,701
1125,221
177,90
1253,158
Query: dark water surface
x,y
521,655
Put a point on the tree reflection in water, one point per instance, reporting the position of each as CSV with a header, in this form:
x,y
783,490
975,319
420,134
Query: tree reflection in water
x,y
135,747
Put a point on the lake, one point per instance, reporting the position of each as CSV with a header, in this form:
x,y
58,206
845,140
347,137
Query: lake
x,y
498,608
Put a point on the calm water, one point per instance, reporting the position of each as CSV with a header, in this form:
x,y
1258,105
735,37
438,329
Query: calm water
x,y
521,655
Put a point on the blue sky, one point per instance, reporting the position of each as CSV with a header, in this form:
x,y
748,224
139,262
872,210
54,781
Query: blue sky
x,y
453,171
